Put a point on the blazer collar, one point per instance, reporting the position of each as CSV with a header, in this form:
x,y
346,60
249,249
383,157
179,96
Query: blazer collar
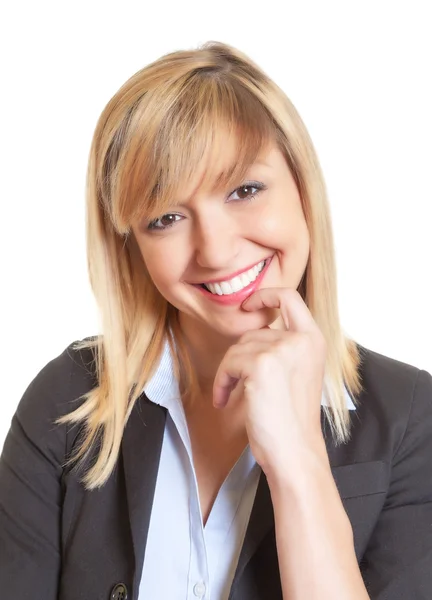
x,y
140,454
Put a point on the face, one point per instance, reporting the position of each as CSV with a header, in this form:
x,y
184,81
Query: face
x,y
208,254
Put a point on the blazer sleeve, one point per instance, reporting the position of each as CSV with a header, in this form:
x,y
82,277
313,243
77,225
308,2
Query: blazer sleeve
x,y
397,564
30,487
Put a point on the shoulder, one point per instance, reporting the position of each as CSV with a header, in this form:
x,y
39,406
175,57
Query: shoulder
x,y
396,401
383,376
65,376
55,391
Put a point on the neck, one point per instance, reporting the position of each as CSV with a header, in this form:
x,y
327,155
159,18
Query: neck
x,y
206,349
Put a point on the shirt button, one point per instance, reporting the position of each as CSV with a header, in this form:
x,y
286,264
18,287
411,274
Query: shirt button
x,y
199,589
119,592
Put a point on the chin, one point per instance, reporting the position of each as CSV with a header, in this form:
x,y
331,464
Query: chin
x,y
235,326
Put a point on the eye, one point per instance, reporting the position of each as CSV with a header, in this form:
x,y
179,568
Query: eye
x,y
164,221
244,191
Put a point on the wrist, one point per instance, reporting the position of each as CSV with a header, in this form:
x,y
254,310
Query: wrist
x,y
310,493
299,467
301,473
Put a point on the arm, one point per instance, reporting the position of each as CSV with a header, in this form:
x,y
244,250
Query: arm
x,y
30,489
313,535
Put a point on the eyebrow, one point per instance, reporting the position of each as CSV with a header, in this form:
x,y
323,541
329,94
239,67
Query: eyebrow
x,y
261,163
250,167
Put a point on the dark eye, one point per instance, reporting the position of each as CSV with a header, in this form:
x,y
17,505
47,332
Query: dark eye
x,y
164,221
244,192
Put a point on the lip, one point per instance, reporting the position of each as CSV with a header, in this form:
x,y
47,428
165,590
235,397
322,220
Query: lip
x,y
232,275
241,295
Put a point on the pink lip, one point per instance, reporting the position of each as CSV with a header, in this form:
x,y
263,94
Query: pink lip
x,y
236,297
228,277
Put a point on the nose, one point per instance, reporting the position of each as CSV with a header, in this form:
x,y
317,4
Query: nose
x,y
216,241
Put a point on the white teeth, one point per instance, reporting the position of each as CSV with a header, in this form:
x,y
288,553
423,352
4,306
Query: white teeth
x,y
245,280
237,283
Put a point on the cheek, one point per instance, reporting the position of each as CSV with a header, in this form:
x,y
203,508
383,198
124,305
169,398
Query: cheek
x,y
269,227
286,231
165,263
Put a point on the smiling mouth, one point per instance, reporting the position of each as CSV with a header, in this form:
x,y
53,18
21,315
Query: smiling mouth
x,y
237,283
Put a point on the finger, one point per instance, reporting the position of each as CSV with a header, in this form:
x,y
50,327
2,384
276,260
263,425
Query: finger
x,y
295,314
231,371
261,335
237,365
222,392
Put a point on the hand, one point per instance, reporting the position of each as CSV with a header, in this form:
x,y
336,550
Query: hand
x,y
282,374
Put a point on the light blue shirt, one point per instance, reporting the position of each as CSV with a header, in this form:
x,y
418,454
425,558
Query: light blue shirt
x,y
185,560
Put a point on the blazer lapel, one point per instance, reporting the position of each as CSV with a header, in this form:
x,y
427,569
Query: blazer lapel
x,y
141,450
260,523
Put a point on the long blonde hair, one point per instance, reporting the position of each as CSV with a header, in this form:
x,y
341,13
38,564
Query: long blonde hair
x,y
149,142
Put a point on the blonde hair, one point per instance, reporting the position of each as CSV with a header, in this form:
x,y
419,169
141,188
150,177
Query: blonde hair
x,y
165,122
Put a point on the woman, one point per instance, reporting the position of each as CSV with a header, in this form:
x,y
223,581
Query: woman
x,y
223,438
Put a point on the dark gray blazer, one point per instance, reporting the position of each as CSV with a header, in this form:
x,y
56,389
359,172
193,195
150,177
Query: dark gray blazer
x,y
58,541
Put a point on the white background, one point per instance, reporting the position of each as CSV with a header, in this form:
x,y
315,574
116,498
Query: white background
x,y
358,72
